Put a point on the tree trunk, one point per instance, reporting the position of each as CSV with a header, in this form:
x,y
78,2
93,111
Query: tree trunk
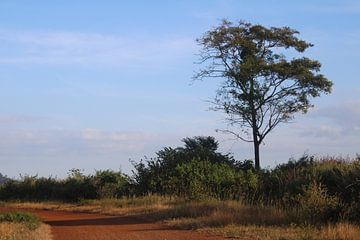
x,y
256,142
257,155
254,126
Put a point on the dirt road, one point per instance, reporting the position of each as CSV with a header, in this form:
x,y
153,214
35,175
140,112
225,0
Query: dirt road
x,y
85,226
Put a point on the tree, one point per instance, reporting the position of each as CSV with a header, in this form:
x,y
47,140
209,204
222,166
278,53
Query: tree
x,y
160,174
261,87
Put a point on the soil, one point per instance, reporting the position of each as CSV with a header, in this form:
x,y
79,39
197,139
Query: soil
x,y
88,226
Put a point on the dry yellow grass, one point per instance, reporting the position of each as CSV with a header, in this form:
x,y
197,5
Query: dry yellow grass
x,y
194,215
227,218
341,231
124,206
18,231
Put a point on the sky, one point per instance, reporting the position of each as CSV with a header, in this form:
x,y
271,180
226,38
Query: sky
x,y
98,84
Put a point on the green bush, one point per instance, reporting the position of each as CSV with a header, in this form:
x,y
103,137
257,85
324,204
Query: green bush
x,y
311,190
317,206
75,187
110,184
30,220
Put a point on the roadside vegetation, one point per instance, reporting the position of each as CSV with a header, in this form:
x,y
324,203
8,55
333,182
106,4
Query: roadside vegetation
x,y
197,187
22,226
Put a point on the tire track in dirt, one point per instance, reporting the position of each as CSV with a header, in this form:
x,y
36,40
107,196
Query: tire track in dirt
x,y
89,226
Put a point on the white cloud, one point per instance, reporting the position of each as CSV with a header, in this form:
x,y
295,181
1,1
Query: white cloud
x,y
92,134
15,119
77,48
68,142
344,116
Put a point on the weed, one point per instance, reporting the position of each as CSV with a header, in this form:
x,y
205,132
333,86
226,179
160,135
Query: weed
x,y
30,220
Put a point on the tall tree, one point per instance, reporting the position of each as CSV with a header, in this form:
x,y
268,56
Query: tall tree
x,y
262,87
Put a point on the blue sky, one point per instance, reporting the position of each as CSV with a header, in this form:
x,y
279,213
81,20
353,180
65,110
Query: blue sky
x,y
92,84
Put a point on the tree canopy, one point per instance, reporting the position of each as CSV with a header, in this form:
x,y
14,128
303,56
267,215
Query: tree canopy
x,y
262,87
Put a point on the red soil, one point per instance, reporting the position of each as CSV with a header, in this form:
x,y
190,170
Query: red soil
x,y
86,226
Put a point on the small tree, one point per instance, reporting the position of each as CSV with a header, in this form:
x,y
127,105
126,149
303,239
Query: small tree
x,y
262,88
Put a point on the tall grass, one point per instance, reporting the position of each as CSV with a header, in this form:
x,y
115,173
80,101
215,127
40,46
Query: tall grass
x,y
22,226
340,231
29,220
228,218
19,231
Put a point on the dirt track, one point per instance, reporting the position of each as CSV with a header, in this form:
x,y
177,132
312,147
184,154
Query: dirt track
x,y
84,226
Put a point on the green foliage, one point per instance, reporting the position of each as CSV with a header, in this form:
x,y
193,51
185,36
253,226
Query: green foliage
x,y
318,206
30,220
201,179
261,86
286,181
75,187
110,184
314,191
3,179
309,190
163,174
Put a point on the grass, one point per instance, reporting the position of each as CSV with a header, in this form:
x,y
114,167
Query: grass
x,y
227,218
341,231
29,220
19,231
22,226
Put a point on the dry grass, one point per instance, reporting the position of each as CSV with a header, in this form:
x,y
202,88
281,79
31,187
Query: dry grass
x,y
341,231
18,231
124,206
227,218
194,215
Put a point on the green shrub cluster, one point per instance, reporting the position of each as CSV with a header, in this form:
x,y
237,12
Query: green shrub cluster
x,y
314,191
309,190
77,186
195,171
30,220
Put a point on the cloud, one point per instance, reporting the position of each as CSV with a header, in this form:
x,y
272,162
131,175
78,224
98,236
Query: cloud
x,y
344,117
78,48
16,119
69,142
330,122
92,134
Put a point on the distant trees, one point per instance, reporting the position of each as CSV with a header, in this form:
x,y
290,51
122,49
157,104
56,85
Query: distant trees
x,y
3,179
261,87
77,186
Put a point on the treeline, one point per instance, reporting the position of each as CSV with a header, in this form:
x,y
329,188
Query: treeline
x,y
313,190
3,179
77,186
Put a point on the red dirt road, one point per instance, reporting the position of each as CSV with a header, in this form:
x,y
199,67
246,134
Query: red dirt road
x,y
86,226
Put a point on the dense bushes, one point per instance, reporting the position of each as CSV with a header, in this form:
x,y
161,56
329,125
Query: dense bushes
x,y
76,186
3,179
314,191
196,170
309,190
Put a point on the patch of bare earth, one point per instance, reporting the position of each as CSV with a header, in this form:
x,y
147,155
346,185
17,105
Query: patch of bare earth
x,y
88,226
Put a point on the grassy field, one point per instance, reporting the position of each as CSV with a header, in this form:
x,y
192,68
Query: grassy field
x,y
22,226
18,231
226,218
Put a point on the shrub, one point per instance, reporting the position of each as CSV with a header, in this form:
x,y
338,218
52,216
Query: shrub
x,y
316,206
30,220
110,184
